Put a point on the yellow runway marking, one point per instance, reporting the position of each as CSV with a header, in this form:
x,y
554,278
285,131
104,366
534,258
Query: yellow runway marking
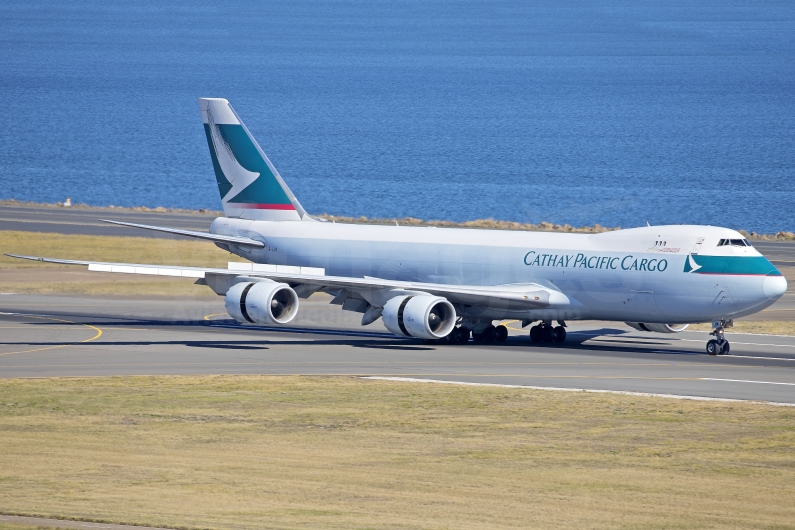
x,y
95,337
207,317
506,322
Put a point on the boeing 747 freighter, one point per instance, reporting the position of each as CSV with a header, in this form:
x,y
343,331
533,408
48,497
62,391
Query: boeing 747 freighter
x,y
453,284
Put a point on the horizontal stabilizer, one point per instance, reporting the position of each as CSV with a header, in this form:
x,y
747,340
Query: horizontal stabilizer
x,y
200,235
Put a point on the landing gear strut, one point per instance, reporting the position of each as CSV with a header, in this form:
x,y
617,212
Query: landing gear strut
x,y
719,345
544,332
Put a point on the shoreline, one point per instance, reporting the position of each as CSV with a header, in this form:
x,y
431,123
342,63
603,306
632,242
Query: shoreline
x,y
492,224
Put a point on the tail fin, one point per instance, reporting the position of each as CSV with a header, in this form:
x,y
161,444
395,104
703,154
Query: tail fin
x,y
250,186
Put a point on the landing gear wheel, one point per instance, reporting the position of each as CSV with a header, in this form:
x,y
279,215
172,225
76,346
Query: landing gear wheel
x,y
549,333
501,333
719,345
462,335
489,334
535,334
559,334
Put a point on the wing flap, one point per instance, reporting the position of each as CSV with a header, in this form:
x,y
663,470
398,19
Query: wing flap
x,y
526,296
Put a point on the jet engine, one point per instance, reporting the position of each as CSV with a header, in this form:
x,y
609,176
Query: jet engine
x,y
421,316
659,328
261,302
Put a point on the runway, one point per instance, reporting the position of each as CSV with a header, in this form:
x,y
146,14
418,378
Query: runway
x,y
87,221
48,336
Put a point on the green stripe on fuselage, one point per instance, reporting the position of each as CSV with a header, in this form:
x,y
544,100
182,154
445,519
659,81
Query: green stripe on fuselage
x,y
737,265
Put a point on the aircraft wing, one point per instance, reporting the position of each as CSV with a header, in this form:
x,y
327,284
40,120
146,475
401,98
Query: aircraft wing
x,y
200,235
518,296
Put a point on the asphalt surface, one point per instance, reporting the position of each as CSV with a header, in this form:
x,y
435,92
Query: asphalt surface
x,y
88,221
46,336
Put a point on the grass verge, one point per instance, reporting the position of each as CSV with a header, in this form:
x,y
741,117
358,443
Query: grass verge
x,y
60,279
767,327
340,452
186,252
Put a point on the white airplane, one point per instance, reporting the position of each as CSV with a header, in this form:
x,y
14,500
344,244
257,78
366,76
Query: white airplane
x,y
450,283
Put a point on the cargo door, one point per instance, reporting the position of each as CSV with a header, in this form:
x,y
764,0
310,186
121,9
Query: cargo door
x,y
642,303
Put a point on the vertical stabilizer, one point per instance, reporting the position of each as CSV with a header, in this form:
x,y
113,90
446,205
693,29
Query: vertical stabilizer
x,y
250,186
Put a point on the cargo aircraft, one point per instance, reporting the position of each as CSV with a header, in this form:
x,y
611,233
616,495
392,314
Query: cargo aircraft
x,y
452,284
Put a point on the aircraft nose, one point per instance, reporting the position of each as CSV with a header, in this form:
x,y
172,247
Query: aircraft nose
x,y
774,286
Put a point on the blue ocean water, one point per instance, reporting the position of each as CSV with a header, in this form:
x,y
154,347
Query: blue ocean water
x,y
611,112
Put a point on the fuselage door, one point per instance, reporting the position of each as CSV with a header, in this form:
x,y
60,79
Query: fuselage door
x,y
697,248
644,306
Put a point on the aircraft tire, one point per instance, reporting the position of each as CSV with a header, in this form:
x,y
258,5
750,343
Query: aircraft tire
x,y
535,334
501,333
462,335
726,348
713,348
489,334
559,334
548,334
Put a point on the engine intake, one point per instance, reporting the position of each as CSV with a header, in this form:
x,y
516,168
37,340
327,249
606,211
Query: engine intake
x,y
421,316
659,328
261,303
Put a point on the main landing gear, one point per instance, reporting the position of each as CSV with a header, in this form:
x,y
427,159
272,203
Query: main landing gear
x,y
719,345
479,331
544,332
491,334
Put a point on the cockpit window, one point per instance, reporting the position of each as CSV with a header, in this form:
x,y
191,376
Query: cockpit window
x,y
734,243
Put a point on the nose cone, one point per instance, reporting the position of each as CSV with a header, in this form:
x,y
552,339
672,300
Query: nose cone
x,y
774,286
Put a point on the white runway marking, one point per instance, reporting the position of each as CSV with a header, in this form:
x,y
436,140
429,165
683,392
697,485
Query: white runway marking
x,y
746,343
755,357
746,381
621,392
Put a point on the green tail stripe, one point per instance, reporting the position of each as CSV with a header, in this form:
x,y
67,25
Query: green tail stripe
x,y
223,184
266,189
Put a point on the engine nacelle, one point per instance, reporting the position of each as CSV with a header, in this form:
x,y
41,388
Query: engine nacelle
x,y
659,328
261,303
421,316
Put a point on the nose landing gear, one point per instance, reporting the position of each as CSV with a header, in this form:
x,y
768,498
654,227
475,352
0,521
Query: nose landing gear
x,y
719,345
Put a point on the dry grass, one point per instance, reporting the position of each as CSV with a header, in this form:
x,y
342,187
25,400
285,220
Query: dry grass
x,y
109,248
313,452
60,279
9,526
771,327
